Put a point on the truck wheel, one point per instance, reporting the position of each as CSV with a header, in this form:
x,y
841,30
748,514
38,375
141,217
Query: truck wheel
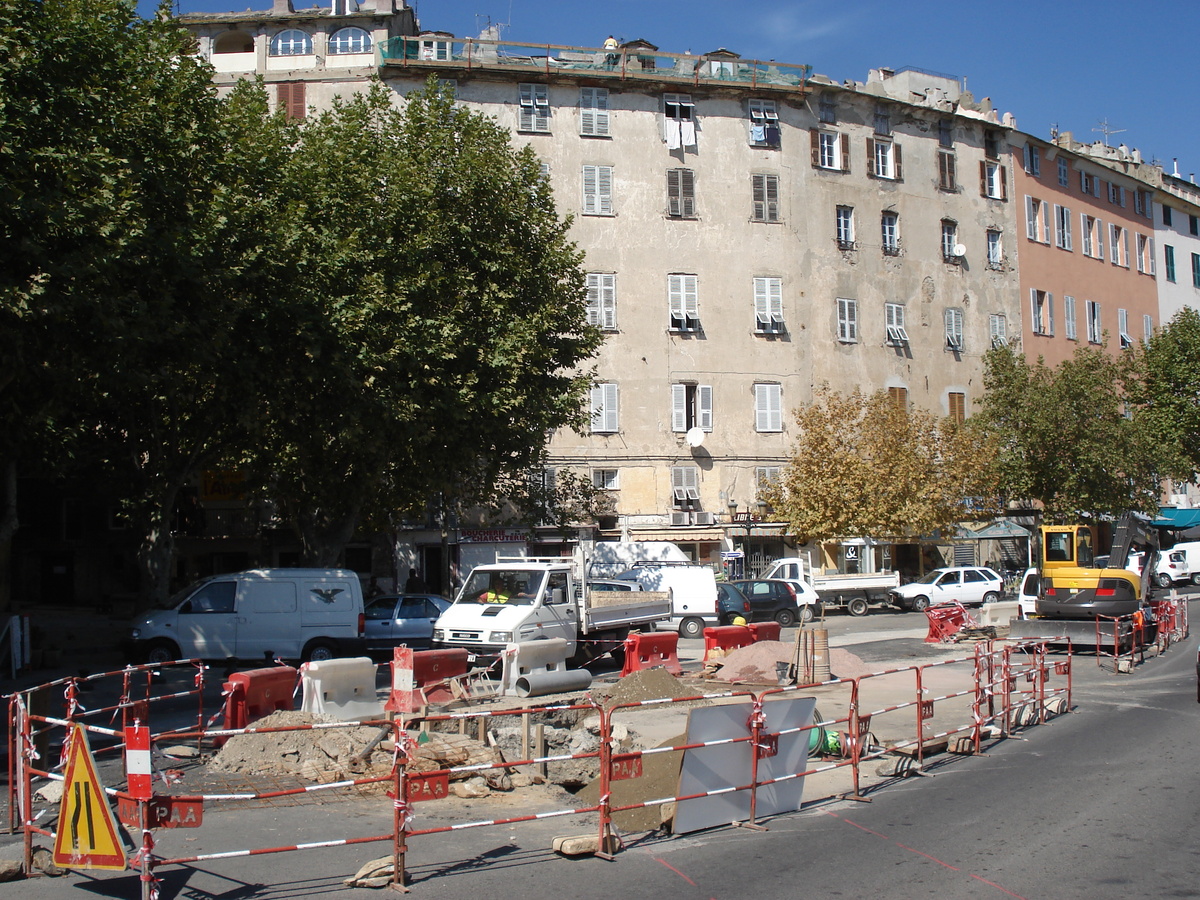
x,y
920,604
691,627
787,618
319,651
160,652
858,607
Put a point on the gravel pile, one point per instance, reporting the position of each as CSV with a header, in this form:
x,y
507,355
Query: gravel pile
x,y
756,663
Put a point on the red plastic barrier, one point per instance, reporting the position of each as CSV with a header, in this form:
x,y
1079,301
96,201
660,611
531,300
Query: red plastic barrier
x,y
646,651
256,693
726,637
765,631
947,620
432,668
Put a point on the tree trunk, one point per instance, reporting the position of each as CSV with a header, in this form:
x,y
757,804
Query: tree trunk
x,y
8,527
323,538
156,550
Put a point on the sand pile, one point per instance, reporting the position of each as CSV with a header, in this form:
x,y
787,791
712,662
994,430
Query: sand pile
x,y
756,663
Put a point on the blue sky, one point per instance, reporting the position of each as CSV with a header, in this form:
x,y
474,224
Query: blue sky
x,y
1067,63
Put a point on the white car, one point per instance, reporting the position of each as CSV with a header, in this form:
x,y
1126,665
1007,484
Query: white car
x,y
1027,593
968,585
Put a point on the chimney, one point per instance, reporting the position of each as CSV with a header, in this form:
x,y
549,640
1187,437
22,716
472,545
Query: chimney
x,y
282,7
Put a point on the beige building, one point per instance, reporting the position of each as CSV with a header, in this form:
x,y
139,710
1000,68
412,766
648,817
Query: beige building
x,y
752,232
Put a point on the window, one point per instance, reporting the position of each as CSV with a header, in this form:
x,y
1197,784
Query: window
x,y
883,122
292,42
685,486
681,193
1145,254
845,227
899,397
1037,220
995,250
1196,270
1064,172
534,101
998,329
889,228
691,407
957,403
764,198
1042,311
349,40
945,133
1123,328
606,479
894,324
343,7
1069,318
886,159
679,121
289,96
1062,227
1169,261
1116,194
991,144
1118,242
768,305
435,50
684,299
1141,202
993,180
602,300
1033,161
768,407
827,111
954,329
947,171
1147,327
593,112
604,408
1166,215
1093,236
765,476
949,240
1089,184
1092,311
597,190
764,123
1193,225
830,150
847,321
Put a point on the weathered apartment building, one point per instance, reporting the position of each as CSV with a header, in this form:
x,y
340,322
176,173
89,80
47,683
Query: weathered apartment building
x,y
753,232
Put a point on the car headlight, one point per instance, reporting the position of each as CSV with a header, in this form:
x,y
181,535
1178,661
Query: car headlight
x,y
135,633
439,634
502,637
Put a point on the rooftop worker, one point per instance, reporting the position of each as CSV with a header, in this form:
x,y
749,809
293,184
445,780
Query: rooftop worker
x,y
611,45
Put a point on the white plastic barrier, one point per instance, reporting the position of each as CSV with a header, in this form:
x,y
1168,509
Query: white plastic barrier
x,y
531,657
341,688
998,613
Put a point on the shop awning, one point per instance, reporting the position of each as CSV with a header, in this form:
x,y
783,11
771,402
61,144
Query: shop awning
x,y
1176,517
997,531
687,535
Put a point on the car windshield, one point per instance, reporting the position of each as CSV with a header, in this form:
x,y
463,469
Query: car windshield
x,y
179,596
930,577
515,587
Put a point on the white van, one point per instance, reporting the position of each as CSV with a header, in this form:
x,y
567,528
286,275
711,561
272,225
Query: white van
x,y
260,615
693,591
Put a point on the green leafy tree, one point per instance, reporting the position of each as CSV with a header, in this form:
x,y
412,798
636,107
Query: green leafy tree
x,y
1072,438
1168,393
432,322
863,465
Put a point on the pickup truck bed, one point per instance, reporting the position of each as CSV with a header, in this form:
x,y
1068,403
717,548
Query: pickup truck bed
x,y
605,610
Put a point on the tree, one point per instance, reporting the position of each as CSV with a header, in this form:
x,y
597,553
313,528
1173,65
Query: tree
x,y
866,466
1168,393
431,318
1071,439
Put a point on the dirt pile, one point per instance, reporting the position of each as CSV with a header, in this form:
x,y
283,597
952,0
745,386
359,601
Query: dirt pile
x,y
756,663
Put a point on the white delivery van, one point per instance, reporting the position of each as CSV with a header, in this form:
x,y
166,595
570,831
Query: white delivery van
x,y
611,558
693,590
260,615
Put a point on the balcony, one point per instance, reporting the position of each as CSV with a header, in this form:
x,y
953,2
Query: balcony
x,y
637,63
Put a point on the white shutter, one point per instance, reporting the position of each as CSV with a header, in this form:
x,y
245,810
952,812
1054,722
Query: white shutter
x,y
1049,313
704,404
767,412
1125,240
591,202
1086,234
1068,244
1113,243
604,408
679,407
1099,226
1153,261
1030,219
593,111
1045,222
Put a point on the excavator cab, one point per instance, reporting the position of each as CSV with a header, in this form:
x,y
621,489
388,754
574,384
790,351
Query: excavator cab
x,y
1074,587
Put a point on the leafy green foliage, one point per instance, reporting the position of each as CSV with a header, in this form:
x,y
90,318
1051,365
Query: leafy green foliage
x,y
1168,393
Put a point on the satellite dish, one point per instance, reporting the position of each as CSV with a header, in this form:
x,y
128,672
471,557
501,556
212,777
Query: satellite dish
x,y
695,437
960,250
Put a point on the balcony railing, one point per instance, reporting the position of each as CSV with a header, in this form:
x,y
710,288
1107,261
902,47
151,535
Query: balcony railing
x,y
432,53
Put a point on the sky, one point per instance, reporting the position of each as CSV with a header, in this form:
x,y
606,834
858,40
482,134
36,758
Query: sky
x,y
1078,66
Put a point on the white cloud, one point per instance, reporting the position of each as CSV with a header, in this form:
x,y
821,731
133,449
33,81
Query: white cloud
x,y
798,24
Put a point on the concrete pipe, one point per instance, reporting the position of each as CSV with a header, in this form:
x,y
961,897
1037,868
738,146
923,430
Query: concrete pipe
x,y
538,684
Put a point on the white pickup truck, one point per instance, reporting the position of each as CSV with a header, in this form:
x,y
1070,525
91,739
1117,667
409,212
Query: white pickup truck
x,y
853,592
513,602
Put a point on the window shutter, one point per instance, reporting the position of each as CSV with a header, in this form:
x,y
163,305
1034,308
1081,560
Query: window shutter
x,y
1153,261
983,178
1045,222
610,407
527,109
1049,313
871,157
814,138
771,194
762,312
605,185
1099,239
687,192
1030,218
1125,243
1003,182
591,201
674,201
608,301
1068,243
844,142
679,407
899,174
704,413
759,185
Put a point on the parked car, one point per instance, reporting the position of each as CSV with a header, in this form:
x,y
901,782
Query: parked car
x,y
784,601
968,585
1027,592
395,619
731,603
1172,568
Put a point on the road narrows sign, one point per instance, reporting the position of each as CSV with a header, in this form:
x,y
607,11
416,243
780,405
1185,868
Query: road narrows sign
x,y
87,830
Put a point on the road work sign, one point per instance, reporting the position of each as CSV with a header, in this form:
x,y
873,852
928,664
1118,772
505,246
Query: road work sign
x,y
87,831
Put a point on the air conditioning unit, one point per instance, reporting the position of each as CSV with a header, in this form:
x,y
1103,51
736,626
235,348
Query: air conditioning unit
x,y
703,518
679,518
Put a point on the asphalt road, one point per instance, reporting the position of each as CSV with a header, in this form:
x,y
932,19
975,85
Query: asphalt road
x,y
1101,802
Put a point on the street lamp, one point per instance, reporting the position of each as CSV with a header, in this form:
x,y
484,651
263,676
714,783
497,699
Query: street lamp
x,y
732,510
762,510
